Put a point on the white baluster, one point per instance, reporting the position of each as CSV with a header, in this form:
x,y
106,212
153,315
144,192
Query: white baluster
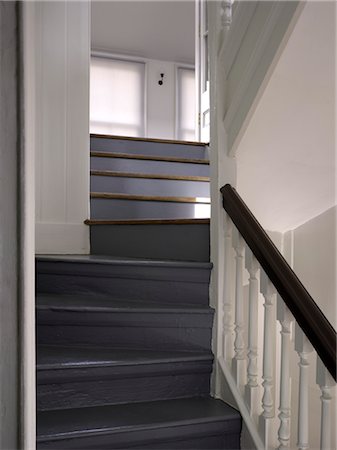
x,y
227,304
325,382
269,338
285,318
239,361
303,348
252,387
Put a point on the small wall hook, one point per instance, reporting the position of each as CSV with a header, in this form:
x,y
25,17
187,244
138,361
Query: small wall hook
x,y
161,81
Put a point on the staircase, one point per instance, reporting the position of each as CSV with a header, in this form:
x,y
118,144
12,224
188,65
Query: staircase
x,y
146,192
124,343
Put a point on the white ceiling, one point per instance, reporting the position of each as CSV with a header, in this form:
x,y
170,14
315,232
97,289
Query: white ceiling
x,y
286,159
161,30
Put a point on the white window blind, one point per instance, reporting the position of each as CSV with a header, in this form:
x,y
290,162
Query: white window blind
x,y
117,97
186,105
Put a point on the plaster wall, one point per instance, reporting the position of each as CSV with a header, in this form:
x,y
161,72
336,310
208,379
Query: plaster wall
x,y
314,256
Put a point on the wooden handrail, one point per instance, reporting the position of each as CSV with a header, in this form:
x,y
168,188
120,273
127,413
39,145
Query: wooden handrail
x,y
310,318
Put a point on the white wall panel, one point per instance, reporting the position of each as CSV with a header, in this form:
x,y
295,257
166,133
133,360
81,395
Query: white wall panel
x,y
62,154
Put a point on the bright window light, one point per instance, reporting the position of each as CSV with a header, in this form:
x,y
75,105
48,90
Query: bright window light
x,y
117,97
186,105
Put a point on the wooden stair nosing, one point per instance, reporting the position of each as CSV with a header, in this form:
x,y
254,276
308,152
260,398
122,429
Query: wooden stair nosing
x,y
148,222
149,158
154,176
149,198
142,139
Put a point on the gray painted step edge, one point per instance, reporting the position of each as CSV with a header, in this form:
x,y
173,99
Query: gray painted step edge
x,y
146,240
105,208
103,266
148,167
148,186
113,420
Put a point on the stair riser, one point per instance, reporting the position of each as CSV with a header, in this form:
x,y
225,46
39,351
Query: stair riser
x,y
148,283
146,241
133,337
145,166
230,442
145,186
134,209
156,291
106,390
173,438
125,319
148,148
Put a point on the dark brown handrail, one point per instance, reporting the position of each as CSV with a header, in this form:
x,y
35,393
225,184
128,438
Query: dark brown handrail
x,y
310,318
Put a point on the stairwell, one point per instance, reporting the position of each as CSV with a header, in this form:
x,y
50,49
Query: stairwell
x,y
124,334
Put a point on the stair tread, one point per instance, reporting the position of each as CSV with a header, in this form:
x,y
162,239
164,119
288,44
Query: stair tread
x,y
148,222
104,303
75,357
124,261
171,159
81,422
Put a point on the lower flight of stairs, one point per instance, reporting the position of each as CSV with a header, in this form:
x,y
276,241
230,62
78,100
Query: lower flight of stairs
x,y
124,356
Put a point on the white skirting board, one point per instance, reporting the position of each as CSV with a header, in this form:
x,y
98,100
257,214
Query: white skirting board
x,y
62,238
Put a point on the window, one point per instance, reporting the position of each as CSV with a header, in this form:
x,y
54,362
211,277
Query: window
x,y
186,119
117,97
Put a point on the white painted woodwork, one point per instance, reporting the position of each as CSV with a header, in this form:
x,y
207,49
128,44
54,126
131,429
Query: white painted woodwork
x,y
27,260
268,399
303,348
239,361
202,71
62,48
256,55
300,98
326,383
228,317
285,318
252,391
222,169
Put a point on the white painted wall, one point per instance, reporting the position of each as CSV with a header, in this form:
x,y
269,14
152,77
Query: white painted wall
x,y
62,139
161,100
314,256
286,159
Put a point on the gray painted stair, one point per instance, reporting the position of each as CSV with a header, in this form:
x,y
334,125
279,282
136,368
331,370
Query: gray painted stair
x,y
103,321
178,424
131,279
140,179
144,239
113,182
115,209
158,147
124,356
148,166
74,377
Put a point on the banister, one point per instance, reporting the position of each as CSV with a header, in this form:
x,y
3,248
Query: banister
x,y
310,318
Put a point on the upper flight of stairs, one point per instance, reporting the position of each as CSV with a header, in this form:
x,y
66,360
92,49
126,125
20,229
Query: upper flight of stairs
x,y
124,356
147,190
